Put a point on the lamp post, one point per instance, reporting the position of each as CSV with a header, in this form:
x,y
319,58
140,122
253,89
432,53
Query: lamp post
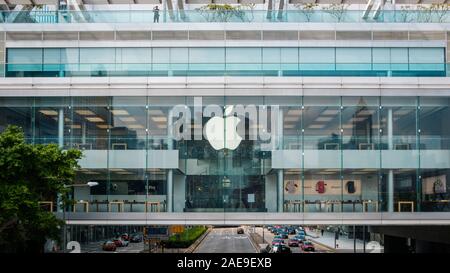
x,y
88,184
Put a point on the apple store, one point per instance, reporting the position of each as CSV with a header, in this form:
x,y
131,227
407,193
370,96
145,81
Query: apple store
x,y
280,154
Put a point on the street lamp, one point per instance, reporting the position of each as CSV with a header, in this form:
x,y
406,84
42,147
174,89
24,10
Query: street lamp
x,y
88,184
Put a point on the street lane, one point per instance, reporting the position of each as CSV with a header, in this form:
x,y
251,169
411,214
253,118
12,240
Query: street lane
x,y
268,237
225,240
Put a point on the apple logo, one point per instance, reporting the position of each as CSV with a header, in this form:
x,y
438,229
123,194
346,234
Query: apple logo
x,y
221,132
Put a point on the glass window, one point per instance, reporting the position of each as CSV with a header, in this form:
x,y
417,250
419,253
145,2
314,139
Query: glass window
x,y
426,55
243,55
133,55
207,55
353,55
317,55
97,55
25,55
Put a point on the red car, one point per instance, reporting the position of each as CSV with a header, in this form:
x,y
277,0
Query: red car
x,y
277,241
308,246
109,246
293,242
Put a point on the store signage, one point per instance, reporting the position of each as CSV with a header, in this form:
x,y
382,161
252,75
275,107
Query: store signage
x,y
227,126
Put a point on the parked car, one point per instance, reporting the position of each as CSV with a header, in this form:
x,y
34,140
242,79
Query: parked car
x,y
125,236
308,246
291,231
240,231
109,246
293,242
284,235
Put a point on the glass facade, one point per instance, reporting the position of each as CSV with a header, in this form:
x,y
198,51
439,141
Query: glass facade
x,y
233,61
291,154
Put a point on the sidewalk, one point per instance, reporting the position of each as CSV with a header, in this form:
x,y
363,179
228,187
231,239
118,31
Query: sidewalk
x,y
344,244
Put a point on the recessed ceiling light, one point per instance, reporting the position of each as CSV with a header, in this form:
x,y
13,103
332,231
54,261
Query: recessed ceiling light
x,y
159,119
135,126
85,112
49,112
294,112
95,119
330,112
316,126
127,119
289,126
292,118
155,112
120,112
161,126
347,126
75,126
103,126
357,119
324,119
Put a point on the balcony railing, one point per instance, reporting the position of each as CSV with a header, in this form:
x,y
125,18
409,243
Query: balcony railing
x,y
227,69
235,16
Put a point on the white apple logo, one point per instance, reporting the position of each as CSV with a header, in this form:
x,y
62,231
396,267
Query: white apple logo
x,y
221,132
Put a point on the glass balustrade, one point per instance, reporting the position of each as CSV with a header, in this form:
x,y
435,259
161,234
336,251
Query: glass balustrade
x,y
235,16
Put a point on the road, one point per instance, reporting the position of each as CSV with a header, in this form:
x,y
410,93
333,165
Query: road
x,y
97,248
268,237
225,240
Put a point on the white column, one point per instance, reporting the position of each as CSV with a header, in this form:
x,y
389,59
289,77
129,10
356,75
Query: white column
x,y
170,172
390,188
280,192
61,127
60,145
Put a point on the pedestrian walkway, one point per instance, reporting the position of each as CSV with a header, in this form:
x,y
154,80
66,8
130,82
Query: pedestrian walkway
x,y
343,244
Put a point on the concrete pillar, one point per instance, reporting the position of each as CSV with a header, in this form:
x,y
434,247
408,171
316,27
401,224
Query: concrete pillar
x,y
280,192
169,190
60,145
280,174
61,127
390,188
170,172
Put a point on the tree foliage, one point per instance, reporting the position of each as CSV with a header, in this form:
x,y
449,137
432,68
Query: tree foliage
x,y
29,174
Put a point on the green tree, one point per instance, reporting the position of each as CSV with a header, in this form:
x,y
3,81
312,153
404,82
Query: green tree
x,y
29,174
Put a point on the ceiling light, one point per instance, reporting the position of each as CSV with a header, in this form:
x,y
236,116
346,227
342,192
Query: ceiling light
x,y
49,112
316,126
103,126
324,119
294,112
289,126
330,112
155,112
127,119
135,126
294,118
85,112
366,112
119,112
95,119
75,126
357,119
161,126
347,126
159,119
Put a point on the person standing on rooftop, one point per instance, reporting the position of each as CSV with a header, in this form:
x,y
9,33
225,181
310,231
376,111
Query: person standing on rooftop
x,y
156,14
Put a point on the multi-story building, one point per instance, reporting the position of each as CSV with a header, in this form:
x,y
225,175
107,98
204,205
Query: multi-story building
x,y
258,112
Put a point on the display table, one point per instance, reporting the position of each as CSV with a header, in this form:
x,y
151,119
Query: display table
x,y
410,203
85,203
120,205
